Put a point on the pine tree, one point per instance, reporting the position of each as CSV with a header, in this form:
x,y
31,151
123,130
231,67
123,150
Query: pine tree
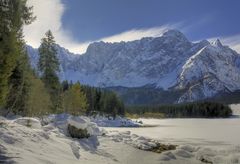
x,y
49,67
65,85
39,102
75,101
97,97
19,86
13,15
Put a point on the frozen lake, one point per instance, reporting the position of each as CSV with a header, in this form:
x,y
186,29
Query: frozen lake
x,y
204,132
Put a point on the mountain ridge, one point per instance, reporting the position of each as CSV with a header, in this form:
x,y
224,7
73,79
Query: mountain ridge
x,y
170,62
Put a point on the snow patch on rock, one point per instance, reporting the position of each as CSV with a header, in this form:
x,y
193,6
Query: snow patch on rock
x,y
84,123
119,121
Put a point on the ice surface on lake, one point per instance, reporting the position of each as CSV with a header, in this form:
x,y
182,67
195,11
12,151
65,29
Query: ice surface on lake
x,y
214,132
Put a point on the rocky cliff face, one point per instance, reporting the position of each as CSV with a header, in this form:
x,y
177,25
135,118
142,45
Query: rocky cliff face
x,y
213,69
170,62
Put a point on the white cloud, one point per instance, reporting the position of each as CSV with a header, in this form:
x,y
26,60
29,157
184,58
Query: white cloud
x,y
49,14
136,34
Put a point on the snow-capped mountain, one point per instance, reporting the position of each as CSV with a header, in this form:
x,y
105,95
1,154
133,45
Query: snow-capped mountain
x,y
170,62
213,69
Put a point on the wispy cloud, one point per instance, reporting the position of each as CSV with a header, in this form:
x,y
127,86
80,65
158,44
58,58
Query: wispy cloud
x,y
136,34
49,14
195,25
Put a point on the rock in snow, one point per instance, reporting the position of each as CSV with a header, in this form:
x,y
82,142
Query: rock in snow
x,y
84,123
104,121
170,62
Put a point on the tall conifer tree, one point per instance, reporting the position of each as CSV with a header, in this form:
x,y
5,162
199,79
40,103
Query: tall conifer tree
x,y
13,15
49,67
75,100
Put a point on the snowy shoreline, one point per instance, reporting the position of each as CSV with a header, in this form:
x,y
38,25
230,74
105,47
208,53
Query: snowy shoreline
x,y
27,140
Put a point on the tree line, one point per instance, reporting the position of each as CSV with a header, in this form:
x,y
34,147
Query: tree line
x,y
26,92
99,101
103,101
196,110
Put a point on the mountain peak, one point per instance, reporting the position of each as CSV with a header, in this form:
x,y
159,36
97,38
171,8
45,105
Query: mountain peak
x,y
171,33
217,43
204,42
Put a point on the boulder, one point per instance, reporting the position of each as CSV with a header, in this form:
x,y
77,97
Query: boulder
x,y
82,127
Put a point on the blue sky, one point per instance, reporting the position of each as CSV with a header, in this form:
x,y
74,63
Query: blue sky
x,y
76,23
95,19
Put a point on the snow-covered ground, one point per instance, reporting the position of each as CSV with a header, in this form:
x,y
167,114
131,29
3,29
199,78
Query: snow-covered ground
x,y
27,140
117,122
